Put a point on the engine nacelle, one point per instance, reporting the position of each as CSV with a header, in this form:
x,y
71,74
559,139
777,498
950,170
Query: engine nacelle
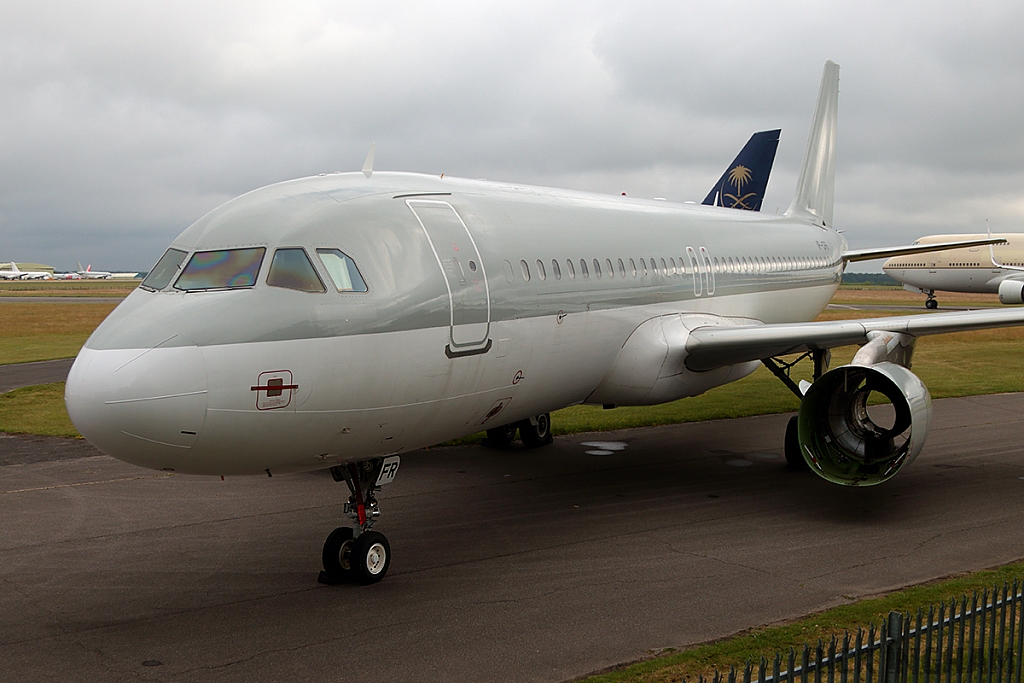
x,y
839,436
1011,292
651,369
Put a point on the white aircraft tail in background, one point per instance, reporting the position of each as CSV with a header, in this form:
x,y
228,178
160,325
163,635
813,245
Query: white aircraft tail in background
x,y
90,274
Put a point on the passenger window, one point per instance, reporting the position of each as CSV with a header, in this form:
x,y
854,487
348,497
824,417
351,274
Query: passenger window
x,y
221,269
643,266
555,270
568,267
622,269
291,269
664,267
540,270
509,275
609,267
342,269
583,268
165,269
597,268
672,261
523,266
632,266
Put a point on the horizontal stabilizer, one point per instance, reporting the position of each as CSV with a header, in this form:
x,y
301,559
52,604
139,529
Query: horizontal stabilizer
x,y
888,252
743,184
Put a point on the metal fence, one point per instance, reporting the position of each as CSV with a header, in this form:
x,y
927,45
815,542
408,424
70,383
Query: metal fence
x,y
971,640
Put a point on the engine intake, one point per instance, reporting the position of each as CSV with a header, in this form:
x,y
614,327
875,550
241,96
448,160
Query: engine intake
x,y
840,438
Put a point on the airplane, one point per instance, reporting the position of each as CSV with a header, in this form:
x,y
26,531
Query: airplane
x,y
90,274
15,274
747,175
998,269
342,320
12,274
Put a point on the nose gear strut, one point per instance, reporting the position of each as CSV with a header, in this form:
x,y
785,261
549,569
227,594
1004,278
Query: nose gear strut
x,y
354,553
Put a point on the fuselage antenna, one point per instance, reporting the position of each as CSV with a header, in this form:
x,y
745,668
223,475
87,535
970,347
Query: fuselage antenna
x,y
368,164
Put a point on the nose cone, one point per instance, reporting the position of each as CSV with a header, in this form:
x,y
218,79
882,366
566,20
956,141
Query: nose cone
x,y
143,406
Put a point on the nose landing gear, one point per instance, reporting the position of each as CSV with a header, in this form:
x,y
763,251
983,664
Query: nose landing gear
x,y
354,554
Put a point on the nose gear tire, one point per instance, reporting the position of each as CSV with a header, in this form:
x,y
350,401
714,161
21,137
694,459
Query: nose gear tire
x,y
370,557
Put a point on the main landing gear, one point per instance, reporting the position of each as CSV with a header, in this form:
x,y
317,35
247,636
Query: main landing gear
x,y
931,302
354,554
534,432
781,369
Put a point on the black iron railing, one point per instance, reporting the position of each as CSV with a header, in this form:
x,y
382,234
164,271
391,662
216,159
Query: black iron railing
x,y
971,640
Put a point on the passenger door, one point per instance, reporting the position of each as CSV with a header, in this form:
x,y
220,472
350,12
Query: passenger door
x,y
463,270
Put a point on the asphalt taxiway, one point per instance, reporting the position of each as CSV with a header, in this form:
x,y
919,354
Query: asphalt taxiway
x,y
17,375
510,565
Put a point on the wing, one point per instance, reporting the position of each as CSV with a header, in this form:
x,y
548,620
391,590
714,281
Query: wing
x,y
886,252
711,347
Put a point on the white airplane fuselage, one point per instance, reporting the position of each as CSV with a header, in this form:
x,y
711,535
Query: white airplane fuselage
x,y
969,270
459,330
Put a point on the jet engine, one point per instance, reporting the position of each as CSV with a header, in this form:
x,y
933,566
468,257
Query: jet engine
x,y
1011,292
849,436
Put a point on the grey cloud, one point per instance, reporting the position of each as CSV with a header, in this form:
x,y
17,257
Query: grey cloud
x,y
122,122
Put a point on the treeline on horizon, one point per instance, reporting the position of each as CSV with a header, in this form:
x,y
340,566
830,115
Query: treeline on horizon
x,y
880,279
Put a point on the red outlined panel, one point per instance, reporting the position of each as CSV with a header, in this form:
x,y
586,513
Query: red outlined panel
x,y
274,389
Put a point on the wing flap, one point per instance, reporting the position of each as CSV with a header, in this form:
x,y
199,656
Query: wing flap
x,y
709,347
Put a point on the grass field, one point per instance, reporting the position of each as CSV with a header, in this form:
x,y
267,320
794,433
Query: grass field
x,y
868,294
766,641
76,288
36,410
46,330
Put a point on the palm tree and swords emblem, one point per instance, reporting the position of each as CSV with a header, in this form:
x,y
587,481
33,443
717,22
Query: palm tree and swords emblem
x,y
739,176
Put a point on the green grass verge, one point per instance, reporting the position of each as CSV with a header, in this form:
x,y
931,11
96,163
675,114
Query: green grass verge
x,y
767,640
36,410
75,288
47,330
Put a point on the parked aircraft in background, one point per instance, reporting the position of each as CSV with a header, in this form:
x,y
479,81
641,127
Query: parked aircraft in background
x,y
992,269
15,274
743,184
341,320
90,274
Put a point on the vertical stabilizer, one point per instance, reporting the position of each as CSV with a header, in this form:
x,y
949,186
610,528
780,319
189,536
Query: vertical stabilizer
x,y
816,186
743,184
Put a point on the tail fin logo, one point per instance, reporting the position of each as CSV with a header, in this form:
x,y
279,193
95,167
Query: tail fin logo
x,y
739,176
747,175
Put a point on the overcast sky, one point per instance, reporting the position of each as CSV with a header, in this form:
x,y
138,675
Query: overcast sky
x,y
123,122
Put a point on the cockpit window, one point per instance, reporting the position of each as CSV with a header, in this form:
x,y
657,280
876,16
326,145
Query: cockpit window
x,y
342,270
221,269
165,269
291,269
